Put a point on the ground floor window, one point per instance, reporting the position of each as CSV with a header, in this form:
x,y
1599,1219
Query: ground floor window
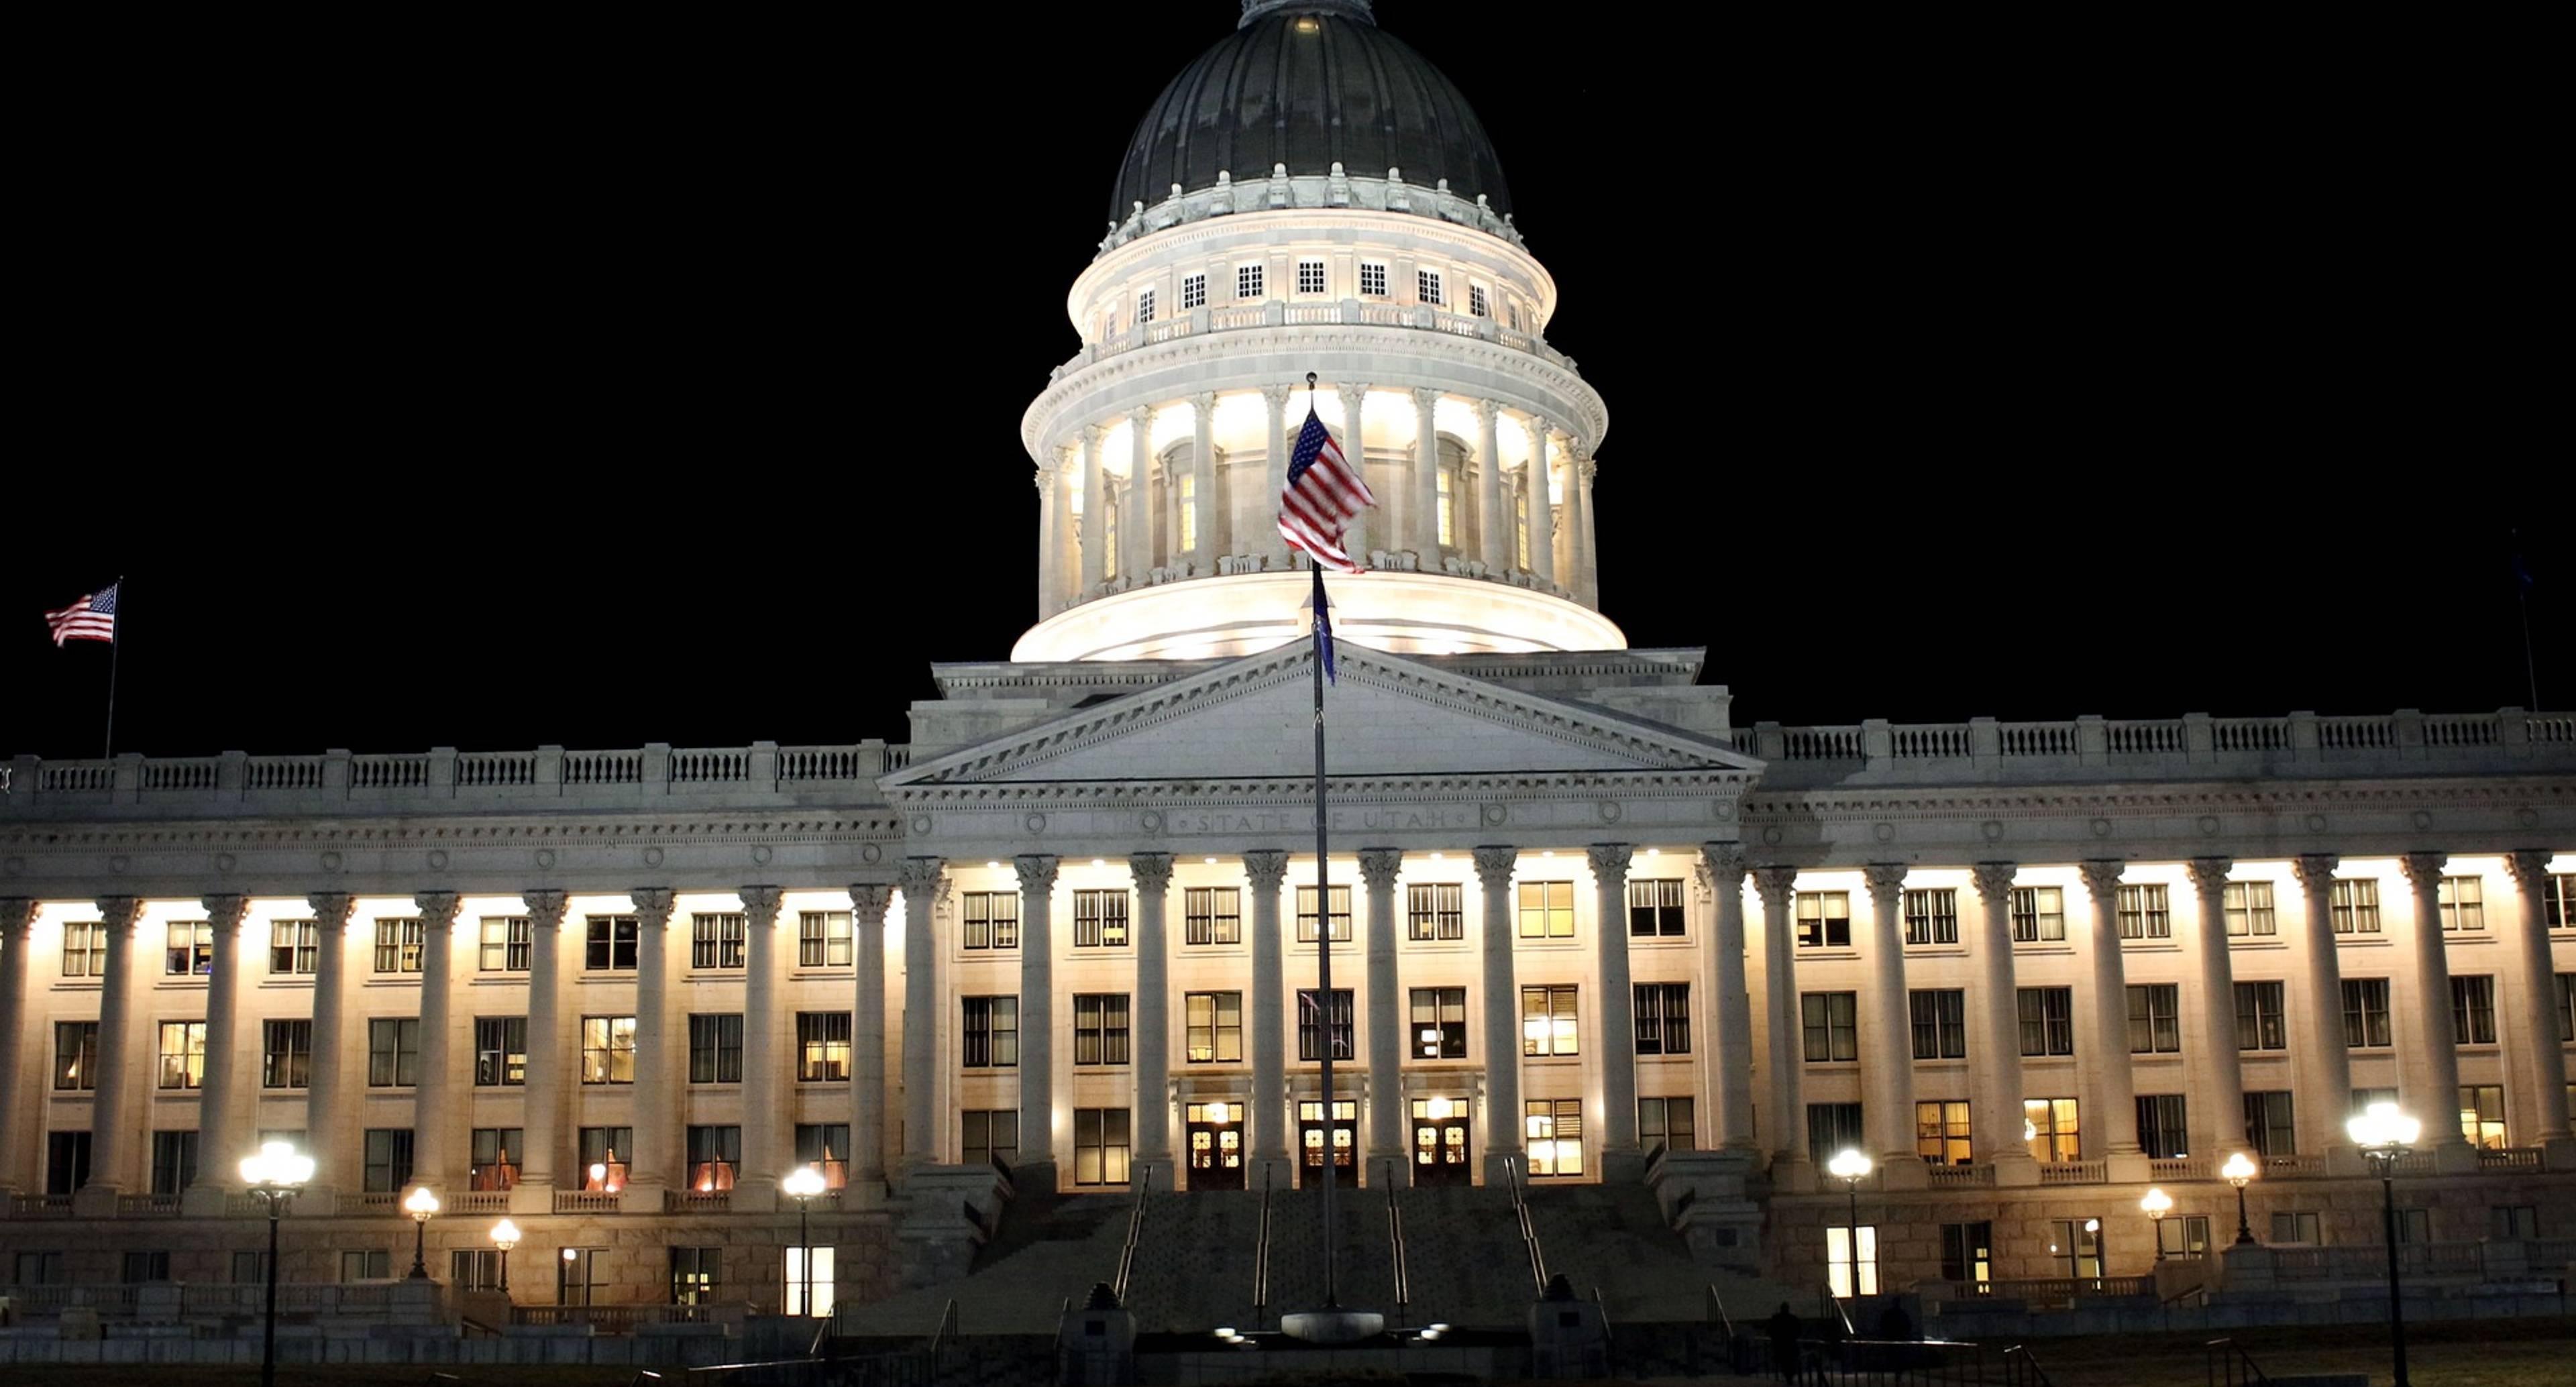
x,y
1968,1255
366,1264
695,1274
2183,1235
1555,1135
809,1281
475,1268
579,1274
140,1267
2294,1226
989,1135
1100,1146
1667,1122
1838,1260
2075,1244
1941,1132
2048,1129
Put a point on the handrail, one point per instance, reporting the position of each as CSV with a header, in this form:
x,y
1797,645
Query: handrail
x,y
2226,1361
939,1337
822,1331
2022,1370
1395,1244
1261,1250
1529,1231
1837,1306
1718,1303
1141,1182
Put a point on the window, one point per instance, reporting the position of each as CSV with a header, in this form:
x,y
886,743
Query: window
x,y
2145,913
388,1159
2075,1246
826,1147
1941,1132
473,1268
38,1269
2414,1226
1310,276
608,1049
294,946
1212,915
496,1152
1100,1028
2155,1018
1477,301
1248,281
2462,901
2038,914
507,940
579,1275
398,945
2294,1226
1548,1021
1440,1023
1193,292
1100,1146
2558,901
140,1267
2566,1008
1547,909
1306,914
1940,1017
2047,1020
1824,919
2362,1098
603,1168
1435,910
2506,1223
1309,1040
1833,1127
1838,1260
1445,482
2482,1116
2161,1129
287,1051
85,949
2049,1128
715,1047
1426,287
1968,1256
1372,280
2365,1013
992,1032
174,1161
500,1051
1520,530
393,1052
822,1047
370,1264
1144,307
1187,506
1100,919
2247,906
2473,1010
2258,1017
2354,907
1555,1135
1667,1122
717,941
696,1272
2268,1125
715,1155
1832,1024
612,944
1663,1018
191,951
183,1054
2183,1235
1655,908
991,919
66,1161
1212,1027
76,1055
1932,916
990,1136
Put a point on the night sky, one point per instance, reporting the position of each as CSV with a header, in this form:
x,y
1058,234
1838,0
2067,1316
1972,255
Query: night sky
x,y
598,388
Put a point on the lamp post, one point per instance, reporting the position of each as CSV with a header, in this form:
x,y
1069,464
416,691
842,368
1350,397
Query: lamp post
x,y
2383,1134
2157,1203
505,1235
801,1185
422,1206
2237,1172
275,1175
1851,1167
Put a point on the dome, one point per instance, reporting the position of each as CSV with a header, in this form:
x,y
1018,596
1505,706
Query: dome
x,y
1308,85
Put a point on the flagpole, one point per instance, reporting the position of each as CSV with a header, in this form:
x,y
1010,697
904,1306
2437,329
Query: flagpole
x,y
115,643
1324,925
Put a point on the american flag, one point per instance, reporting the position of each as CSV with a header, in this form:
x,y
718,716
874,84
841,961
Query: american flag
x,y
1321,497
93,618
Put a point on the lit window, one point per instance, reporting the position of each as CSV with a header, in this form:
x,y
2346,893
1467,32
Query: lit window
x,y
192,949
286,1049
696,1272
992,1039
506,943
1824,919
1448,485
1144,307
2248,908
1193,292
2049,1125
1968,1256
1306,924
717,941
1555,1135
1548,1021
991,919
823,939
183,1054
398,945
1372,280
822,1047
1932,916
2558,901
2463,903
1189,513
2354,907
1435,910
826,1147
715,1154
1212,1027
1547,909
1099,919
2482,1116
1310,1040
605,1149
608,1049
1439,1023
1100,1028
1247,281
2145,912
2038,914
495,1158
1520,530
1426,287
1310,276
1831,1023
1941,1132
1212,915
500,1051
1100,1137
1838,1260
2075,1245
84,949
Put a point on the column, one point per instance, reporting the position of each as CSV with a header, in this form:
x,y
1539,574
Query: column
x,y
1265,869
1618,1010
1542,529
1152,872
925,883
2115,1095
1050,545
2328,1089
1578,522
549,1059
1136,509
768,1056
1788,1110
1506,1131
868,904
115,1115
655,1163
1259,506
1729,1049
1426,479
1095,518
1037,1015
1996,1049
1373,527
1493,521
1203,478
221,1137
2539,987
2217,1125
17,1126
1887,1029
439,1155
1389,1134
2429,1067
331,1099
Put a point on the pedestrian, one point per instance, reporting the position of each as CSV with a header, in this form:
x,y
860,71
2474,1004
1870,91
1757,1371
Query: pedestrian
x,y
1785,1329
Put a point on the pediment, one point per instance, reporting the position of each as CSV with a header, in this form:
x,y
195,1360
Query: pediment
x,y
1387,716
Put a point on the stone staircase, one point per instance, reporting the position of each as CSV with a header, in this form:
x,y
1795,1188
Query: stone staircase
x,y
1614,1238
1051,1248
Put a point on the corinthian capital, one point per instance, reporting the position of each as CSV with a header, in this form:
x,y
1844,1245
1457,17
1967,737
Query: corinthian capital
x,y
1378,867
2530,868
437,908
1276,396
1886,880
1995,882
1152,871
1037,871
330,909
759,906
2209,874
2316,872
2425,869
17,915
1204,405
1610,860
1487,411
223,912
1494,866
2102,877
1775,882
1266,868
652,906
925,880
869,901
1426,399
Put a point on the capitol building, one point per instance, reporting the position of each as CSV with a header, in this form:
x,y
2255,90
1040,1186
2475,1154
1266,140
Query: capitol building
x,y
1056,942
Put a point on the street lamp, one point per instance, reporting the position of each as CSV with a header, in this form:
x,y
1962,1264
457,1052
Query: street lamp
x,y
2157,1203
1851,1167
2383,1134
275,1174
2237,1172
422,1206
505,1235
801,1185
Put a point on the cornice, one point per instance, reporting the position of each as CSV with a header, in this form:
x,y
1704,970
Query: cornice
x,y
1509,786
1829,805
884,827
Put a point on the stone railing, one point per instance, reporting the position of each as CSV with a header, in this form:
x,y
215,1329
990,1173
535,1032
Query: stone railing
x,y
1338,190
1278,313
2170,1168
1961,1176
1983,749
612,1319
2074,1172
479,1202
761,773
585,1202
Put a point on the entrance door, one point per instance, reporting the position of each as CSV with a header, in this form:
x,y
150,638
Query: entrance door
x,y
1440,1142
1215,1133
1345,1144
